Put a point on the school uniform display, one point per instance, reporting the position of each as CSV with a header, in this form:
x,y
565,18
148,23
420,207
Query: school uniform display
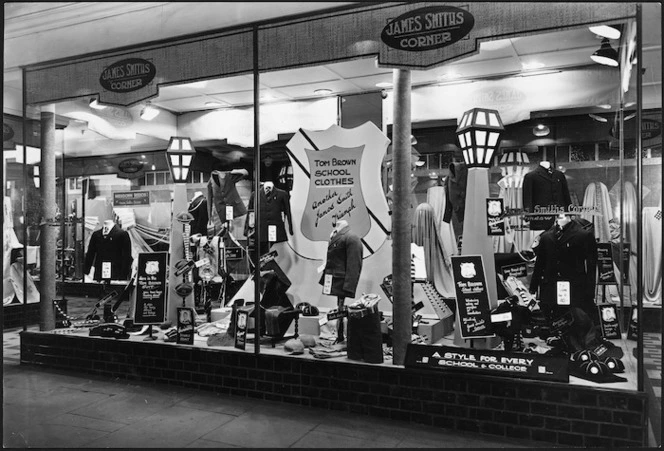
x,y
222,192
344,262
114,246
543,188
198,208
274,207
566,255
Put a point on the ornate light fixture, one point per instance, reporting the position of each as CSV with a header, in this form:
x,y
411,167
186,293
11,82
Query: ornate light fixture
x,y
180,154
479,135
606,54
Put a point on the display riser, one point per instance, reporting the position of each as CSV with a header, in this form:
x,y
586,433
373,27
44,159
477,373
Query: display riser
x,y
561,414
12,315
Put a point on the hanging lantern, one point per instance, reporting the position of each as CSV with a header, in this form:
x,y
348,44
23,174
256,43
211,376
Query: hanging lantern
x,y
479,135
180,155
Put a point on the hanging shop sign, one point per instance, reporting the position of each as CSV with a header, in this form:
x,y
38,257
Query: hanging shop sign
x,y
131,198
650,128
127,75
336,175
495,217
605,273
151,288
495,363
130,165
608,318
428,28
472,296
7,132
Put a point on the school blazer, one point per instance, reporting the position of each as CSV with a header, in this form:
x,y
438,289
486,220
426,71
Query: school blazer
x,y
344,262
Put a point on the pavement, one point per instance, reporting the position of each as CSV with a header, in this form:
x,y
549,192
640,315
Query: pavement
x,y
44,408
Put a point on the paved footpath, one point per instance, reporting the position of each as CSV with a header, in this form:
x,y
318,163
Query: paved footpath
x,y
53,409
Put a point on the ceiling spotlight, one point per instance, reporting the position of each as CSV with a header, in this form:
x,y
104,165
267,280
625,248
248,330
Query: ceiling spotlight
x,y
212,104
323,92
449,76
598,118
606,54
94,103
604,106
532,65
541,130
606,31
384,84
630,116
149,112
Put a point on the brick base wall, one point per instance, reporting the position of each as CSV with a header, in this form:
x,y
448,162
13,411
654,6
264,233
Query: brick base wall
x,y
553,412
12,315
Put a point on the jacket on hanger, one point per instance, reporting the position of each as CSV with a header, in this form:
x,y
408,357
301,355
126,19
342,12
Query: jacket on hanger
x,y
570,255
344,263
222,192
544,188
114,247
273,209
198,208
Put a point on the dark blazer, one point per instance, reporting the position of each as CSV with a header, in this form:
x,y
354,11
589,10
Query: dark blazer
x,y
455,192
344,262
543,188
222,192
199,210
115,247
571,258
273,209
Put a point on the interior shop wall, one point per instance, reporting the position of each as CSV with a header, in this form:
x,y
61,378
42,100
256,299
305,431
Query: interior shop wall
x,y
514,97
236,125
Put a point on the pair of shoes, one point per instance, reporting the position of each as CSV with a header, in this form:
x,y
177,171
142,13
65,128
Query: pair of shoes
x,y
171,336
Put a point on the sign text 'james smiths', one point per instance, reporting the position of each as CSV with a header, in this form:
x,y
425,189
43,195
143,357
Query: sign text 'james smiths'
x,y
428,28
127,75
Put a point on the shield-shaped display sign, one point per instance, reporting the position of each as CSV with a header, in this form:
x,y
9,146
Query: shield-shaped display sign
x,y
336,175
335,193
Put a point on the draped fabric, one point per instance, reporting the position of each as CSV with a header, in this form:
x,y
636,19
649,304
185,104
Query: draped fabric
x,y
436,198
652,255
597,196
511,191
425,234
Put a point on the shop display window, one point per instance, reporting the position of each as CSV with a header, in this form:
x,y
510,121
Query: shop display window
x,y
306,214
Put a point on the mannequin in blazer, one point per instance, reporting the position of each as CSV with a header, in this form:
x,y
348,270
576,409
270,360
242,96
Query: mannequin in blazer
x,y
343,264
544,187
274,205
199,210
566,252
109,244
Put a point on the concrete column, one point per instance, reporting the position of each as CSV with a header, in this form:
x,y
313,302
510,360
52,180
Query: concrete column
x,y
401,233
48,235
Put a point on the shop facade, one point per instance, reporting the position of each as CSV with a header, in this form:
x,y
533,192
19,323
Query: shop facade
x,y
429,317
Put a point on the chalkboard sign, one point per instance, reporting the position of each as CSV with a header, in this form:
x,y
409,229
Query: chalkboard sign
x,y
241,323
185,328
472,297
633,327
151,288
608,318
625,260
605,274
495,217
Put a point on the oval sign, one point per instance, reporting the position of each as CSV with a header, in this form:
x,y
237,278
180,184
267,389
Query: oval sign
x,y
128,75
7,132
130,165
427,28
650,128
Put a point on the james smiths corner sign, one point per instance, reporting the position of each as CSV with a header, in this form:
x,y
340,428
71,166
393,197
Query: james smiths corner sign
x,y
127,75
428,28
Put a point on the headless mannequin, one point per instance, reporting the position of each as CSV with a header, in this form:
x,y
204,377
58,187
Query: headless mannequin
x,y
108,225
268,187
563,220
340,299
